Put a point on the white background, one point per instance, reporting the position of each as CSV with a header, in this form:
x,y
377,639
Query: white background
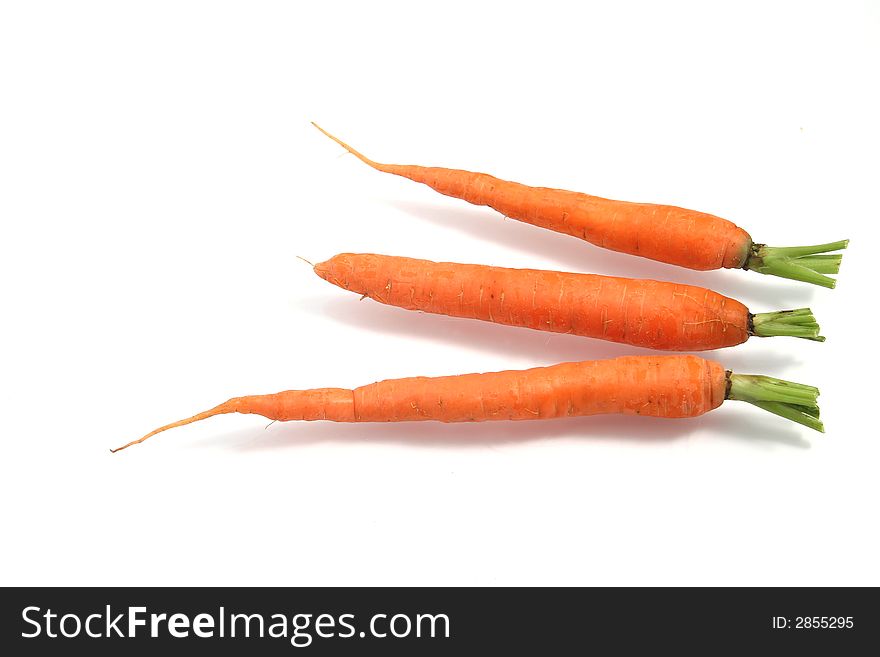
x,y
158,176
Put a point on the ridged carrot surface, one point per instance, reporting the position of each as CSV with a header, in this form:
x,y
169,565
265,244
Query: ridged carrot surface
x,y
636,385
644,313
660,386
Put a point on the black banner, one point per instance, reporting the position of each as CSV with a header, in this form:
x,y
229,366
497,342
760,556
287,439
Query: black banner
x,y
434,621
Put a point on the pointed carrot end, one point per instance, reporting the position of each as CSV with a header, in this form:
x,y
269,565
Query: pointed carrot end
x,y
226,407
363,158
327,134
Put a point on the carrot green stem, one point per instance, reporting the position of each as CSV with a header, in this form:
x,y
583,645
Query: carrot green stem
x,y
793,401
798,323
800,263
824,264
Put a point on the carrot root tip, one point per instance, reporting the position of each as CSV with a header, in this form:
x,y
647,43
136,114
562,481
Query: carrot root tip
x,y
810,264
363,158
230,406
794,401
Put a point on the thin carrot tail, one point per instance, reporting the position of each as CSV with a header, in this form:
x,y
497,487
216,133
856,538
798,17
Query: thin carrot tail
x,y
387,168
226,407
475,188
800,263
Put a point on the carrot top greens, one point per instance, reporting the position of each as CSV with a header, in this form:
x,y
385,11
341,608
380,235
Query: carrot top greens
x,y
800,263
798,323
793,401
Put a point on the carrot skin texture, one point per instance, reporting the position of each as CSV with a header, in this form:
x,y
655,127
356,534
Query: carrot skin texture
x,y
317,404
666,233
644,313
658,386
631,385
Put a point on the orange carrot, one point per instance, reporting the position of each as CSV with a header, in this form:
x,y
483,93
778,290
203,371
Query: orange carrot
x,y
643,313
687,238
658,386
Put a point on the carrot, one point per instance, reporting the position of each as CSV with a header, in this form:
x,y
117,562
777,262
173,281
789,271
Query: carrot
x,y
643,313
686,238
658,386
